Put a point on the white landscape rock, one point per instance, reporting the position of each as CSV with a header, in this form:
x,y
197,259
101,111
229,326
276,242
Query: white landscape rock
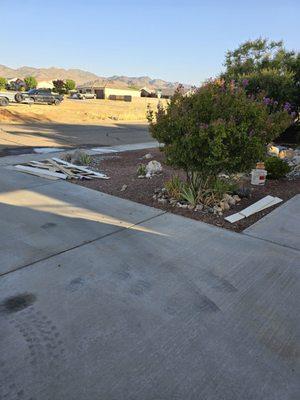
x,y
224,205
229,199
273,151
152,168
287,154
236,198
296,160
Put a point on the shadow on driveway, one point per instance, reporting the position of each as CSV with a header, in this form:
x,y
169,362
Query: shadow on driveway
x,y
26,136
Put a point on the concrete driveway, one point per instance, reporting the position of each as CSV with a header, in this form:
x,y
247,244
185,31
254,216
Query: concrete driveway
x,y
14,137
102,298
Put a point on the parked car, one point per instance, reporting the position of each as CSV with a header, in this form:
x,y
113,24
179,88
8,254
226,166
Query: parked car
x,y
39,96
83,96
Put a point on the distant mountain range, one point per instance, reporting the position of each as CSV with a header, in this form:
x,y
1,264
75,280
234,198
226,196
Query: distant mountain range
x,y
85,77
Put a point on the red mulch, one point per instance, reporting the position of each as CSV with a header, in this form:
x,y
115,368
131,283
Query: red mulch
x,y
122,170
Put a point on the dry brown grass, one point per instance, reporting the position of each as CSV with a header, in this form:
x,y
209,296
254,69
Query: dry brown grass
x,y
79,112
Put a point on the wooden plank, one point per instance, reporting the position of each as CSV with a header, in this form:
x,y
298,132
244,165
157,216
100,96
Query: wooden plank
x,y
80,168
40,172
257,206
52,178
37,165
234,218
64,170
260,205
275,201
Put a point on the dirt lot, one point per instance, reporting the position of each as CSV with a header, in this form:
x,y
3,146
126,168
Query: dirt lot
x,y
78,111
122,170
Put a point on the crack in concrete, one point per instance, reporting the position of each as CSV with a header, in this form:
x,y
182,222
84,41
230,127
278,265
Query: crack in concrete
x,y
271,241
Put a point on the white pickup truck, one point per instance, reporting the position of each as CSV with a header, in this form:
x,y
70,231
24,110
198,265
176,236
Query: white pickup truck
x,y
7,97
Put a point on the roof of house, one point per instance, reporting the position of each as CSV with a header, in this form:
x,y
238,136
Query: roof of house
x,y
147,90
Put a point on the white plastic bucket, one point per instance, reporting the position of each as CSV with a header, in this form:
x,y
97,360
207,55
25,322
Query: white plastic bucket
x,y
258,176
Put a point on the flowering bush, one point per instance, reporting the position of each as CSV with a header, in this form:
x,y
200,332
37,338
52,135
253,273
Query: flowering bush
x,y
279,86
219,128
267,66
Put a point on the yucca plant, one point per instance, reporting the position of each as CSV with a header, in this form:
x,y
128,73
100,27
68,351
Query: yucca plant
x,y
189,194
85,159
174,187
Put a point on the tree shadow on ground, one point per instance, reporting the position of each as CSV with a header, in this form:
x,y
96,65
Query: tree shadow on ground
x,y
71,135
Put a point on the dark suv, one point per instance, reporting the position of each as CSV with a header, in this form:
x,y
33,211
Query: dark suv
x,y
39,96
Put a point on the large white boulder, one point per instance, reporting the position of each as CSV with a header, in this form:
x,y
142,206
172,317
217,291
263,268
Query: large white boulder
x,y
152,168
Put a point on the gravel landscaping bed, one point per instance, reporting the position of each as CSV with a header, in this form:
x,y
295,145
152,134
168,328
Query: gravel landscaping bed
x,y
124,183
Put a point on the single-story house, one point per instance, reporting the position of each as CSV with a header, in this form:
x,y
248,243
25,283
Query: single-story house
x,y
45,85
109,92
146,92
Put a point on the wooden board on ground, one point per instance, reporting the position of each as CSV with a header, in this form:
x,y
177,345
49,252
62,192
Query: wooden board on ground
x,y
260,205
56,168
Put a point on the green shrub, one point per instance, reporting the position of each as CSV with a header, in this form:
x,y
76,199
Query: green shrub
x,y
214,189
30,82
220,187
70,85
217,129
267,66
276,168
3,83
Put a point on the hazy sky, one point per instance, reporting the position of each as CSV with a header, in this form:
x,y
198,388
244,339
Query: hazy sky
x,y
174,40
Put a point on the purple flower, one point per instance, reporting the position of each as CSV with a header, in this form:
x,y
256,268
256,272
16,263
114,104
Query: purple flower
x,y
293,114
267,101
245,82
287,106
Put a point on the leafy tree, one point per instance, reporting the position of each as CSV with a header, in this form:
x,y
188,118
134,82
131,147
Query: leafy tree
x,y
30,82
3,83
59,86
268,67
254,56
70,85
219,128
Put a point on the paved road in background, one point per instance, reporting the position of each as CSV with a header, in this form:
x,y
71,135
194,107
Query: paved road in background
x,y
15,137
104,298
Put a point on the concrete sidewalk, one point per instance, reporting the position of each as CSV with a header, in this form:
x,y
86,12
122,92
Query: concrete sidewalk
x,y
281,226
102,298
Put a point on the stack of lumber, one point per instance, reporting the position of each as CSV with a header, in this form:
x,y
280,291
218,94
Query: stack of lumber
x,y
55,168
